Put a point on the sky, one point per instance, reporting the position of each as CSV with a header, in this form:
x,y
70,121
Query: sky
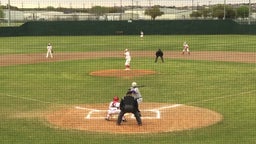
x,y
90,3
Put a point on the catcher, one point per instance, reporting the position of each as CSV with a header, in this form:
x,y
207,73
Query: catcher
x,y
114,109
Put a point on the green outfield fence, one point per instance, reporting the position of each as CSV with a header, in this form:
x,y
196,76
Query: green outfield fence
x,y
128,28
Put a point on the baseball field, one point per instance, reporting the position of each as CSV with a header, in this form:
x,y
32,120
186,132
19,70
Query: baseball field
x,y
205,97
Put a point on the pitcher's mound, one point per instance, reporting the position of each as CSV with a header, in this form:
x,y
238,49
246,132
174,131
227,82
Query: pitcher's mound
x,y
122,73
156,118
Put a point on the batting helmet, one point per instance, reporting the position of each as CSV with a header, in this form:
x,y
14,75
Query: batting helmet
x,y
134,84
115,98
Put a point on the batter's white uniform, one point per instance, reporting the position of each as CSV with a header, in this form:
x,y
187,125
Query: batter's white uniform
x,y
127,59
114,108
136,94
49,51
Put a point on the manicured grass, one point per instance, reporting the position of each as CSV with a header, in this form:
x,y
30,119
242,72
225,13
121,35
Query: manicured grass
x,y
244,43
225,87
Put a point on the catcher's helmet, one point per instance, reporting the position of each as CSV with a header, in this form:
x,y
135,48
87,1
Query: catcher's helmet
x,y
134,84
115,98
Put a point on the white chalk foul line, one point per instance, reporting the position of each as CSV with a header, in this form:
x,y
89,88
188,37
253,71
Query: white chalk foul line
x,y
171,106
222,97
28,99
83,108
156,111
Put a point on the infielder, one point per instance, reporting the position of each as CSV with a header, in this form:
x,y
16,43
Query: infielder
x,y
114,108
49,50
185,48
127,59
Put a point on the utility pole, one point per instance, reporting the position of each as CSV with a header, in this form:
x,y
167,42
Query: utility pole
x,y
132,9
249,16
9,11
137,5
192,5
224,17
121,5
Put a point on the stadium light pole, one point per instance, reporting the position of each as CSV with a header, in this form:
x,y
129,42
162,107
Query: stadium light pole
x,y
9,11
192,5
132,9
249,16
121,5
224,17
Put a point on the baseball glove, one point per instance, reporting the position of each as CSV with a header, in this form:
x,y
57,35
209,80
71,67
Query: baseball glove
x,y
52,51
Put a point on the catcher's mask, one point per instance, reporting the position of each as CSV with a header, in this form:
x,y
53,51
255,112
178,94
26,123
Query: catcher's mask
x,y
115,98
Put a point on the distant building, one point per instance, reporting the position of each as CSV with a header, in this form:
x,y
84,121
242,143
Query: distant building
x,y
130,14
14,15
169,14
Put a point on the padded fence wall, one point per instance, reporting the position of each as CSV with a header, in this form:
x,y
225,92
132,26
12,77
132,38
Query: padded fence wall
x,y
128,28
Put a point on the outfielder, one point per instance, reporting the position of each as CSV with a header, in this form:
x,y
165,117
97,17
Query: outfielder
x,y
185,48
49,50
141,34
114,108
127,59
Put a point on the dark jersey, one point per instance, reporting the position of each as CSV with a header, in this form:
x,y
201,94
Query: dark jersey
x,y
159,53
129,104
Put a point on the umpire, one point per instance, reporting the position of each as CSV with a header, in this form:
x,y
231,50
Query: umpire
x,y
129,105
160,54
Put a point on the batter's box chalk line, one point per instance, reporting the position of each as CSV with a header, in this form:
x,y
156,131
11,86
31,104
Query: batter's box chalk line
x,y
156,111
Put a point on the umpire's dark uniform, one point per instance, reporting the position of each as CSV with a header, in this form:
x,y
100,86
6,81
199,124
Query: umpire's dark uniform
x,y
129,105
160,54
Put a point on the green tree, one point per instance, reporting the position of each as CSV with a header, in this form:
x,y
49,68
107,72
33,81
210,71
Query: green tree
x,y
1,13
242,12
206,12
218,12
115,10
196,14
153,12
50,8
98,10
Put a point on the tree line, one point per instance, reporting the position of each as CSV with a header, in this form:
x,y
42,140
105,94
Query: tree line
x,y
219,11
214,11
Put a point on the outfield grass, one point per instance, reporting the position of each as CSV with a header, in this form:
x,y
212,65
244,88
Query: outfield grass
x,y
225,87
15,45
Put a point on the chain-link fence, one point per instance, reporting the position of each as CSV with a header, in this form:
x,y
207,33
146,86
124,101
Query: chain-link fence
x,y
16,12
